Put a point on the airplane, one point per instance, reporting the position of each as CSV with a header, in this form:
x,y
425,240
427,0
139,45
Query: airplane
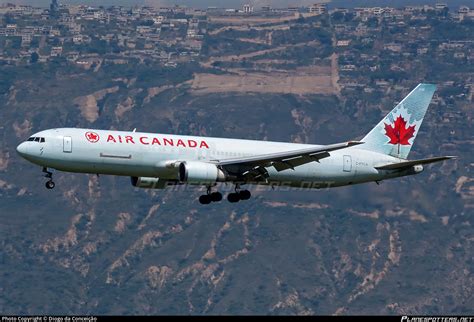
x,y
157,161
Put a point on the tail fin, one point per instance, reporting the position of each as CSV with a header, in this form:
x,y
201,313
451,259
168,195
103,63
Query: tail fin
x,y
395,134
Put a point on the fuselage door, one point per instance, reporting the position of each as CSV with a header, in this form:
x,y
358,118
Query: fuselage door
x,y
67,144
347,166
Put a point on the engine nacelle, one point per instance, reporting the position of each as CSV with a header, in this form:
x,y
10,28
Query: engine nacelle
x,y
149,182
196,172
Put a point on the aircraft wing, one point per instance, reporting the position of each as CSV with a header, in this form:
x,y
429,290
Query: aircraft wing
x,y
409,163
254,167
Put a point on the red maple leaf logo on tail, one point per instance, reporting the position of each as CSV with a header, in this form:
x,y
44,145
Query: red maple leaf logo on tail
x,y
399,133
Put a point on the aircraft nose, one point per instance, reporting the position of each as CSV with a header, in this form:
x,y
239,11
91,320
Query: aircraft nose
x,y
22,149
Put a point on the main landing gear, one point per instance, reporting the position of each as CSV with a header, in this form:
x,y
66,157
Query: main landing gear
x,y
231,197
238,195
50,183
210,197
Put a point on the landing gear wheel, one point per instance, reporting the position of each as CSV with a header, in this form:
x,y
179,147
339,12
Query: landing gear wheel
x,y
244,195
50,184
216,196
233,197
205,199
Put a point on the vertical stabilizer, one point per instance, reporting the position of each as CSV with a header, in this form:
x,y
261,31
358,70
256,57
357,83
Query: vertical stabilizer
x,y
395,134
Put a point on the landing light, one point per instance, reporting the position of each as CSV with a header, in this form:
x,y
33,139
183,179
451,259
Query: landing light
x,y
418,168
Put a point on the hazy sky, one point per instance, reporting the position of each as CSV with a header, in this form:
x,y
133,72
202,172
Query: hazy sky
x,y
239,3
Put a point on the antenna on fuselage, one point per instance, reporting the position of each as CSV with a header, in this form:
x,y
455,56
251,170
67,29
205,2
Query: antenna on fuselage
x,y
134,130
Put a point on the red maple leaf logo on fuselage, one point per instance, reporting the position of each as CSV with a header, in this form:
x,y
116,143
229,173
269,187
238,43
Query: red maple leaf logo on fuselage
x,y
92,137
398,133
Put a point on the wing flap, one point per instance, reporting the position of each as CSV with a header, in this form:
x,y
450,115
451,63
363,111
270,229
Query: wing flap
x,y
410,163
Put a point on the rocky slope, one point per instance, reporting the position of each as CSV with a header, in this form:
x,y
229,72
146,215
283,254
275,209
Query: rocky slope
x,y
99,246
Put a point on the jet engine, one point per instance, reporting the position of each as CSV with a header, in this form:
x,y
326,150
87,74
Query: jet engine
x,y
148,182
196,172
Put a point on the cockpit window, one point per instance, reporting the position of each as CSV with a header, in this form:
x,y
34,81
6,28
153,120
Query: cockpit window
x,y
36,139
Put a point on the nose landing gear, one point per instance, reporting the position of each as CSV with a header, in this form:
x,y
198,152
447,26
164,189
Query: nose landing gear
x,y
50,183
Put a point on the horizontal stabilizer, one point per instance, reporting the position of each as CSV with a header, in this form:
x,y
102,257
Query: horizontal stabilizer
x,y
410,163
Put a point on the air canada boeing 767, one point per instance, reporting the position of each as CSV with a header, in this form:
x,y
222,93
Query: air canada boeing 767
x,y
157,160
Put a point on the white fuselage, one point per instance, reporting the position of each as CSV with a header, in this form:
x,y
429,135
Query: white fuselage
x,y
138,154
